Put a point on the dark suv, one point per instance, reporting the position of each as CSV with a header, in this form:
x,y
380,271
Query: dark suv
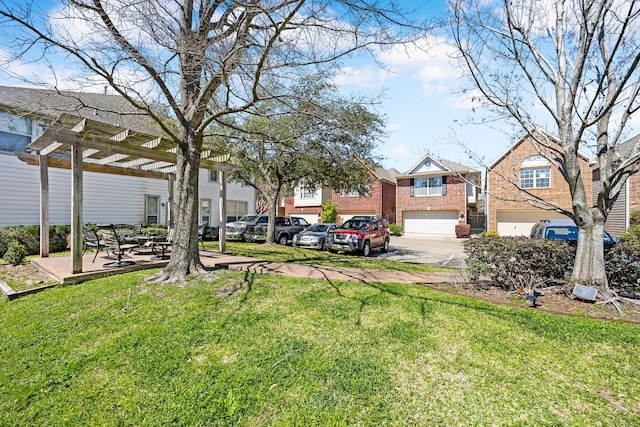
x,y
561,229
360,234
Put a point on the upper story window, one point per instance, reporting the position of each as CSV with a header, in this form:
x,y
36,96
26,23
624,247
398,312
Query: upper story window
x,y
15,132
213,175
535,172
307,193
431,186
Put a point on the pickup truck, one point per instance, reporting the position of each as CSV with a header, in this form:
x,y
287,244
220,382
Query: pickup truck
x,y
286,228
237,230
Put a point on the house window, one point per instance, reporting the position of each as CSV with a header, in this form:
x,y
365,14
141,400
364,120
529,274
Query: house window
x,y
307,193
355,193
15,132
152,209
428,187
213,176
535,172
205,211
236,210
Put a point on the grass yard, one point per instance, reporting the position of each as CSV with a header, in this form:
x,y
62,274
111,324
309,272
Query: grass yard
x,y
250,350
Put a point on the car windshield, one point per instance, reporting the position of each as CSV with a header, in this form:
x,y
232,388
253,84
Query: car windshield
x,y
562,232
318,227
356,224
248,218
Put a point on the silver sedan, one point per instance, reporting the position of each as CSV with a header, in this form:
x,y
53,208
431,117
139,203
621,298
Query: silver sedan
x,y
314,237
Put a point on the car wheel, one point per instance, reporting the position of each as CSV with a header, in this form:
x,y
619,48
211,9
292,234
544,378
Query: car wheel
x,y
283,240
385,248
333,251
366,248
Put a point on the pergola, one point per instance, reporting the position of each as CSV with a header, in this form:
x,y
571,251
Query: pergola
x,y
99,147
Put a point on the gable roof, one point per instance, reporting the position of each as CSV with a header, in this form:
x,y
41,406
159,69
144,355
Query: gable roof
x,y
526,137
386,174
113,110
437,167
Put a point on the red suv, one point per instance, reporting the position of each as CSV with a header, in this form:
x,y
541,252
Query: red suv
x,y
360,234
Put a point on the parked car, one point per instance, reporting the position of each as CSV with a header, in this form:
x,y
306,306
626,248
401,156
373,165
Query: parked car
x,y
236,230
314,237
561,229
286,228
360,234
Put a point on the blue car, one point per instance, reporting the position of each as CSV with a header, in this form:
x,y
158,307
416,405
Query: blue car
x,y
561,229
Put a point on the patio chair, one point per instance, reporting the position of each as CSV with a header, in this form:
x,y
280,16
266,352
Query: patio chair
x,y
114,244
92,240
164,244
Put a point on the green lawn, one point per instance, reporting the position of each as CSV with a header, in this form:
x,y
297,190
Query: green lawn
x,y
314,257
250,350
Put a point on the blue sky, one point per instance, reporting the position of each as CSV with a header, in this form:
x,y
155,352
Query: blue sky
x,y
423,102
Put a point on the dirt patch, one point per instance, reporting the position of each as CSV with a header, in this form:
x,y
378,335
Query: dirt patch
x,y
23,276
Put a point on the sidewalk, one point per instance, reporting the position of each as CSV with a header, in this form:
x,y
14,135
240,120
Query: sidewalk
x,y
59,268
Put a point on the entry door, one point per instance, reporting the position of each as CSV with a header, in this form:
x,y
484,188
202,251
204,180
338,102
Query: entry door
x,y
152,209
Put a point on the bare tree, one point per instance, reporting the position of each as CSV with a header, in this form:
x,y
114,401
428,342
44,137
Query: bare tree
x,y
570,68
201,60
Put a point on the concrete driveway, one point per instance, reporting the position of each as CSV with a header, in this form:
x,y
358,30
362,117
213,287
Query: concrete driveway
x,y
445,251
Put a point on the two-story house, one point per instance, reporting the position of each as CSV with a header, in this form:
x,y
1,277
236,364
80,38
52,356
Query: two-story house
x,y
435,195
629,199
380,199
522,174
110,196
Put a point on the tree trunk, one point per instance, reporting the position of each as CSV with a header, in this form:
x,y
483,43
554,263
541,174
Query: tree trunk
x,y
185,257
589,263
271,225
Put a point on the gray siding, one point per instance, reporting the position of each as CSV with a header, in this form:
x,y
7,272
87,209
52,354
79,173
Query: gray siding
x,y
616,223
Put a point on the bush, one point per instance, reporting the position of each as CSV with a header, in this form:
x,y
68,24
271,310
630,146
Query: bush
x,y
509,259
492,233
463,230
329,212
395,229
29,237
622,263
15,253
632,234
635,217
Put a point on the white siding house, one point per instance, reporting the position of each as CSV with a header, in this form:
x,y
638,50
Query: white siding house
x,y
107,198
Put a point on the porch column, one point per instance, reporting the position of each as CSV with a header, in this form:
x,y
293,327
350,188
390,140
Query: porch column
x,y
76,209
44,206
222,233
170,213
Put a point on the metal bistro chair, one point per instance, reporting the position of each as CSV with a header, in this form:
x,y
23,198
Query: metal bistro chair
x,y
163,244
92,240
114,244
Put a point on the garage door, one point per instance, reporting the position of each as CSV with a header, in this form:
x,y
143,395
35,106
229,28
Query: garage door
x,y
441,223
311,218
519,223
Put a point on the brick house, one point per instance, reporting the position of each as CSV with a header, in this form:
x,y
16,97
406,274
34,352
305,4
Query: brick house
x,y
435,195
629,199
380,200
525,167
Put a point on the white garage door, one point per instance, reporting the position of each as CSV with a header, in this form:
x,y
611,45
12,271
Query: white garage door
x,y
519,223
441,223
311,218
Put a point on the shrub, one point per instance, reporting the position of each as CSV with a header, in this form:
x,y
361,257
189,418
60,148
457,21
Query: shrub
x,y
622,263
15,253
395,229
329,212
632,234
635,217
492,233
508,259
29,237
463,230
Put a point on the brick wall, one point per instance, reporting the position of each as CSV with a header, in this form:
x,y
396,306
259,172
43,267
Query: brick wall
x,y
371,203
454,200
503,195
291,209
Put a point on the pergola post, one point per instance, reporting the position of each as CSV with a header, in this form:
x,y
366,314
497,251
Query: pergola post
x,y
222,230
44,206
170,212
76,209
